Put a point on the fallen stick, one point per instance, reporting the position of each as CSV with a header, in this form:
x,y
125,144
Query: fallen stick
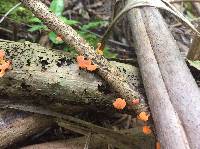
x,y
140,140
121,139
181,86
169,130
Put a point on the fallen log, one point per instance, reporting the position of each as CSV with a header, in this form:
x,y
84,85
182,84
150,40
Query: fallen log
x,y
169,130
181,86
105,69
120,139
17,126
44,76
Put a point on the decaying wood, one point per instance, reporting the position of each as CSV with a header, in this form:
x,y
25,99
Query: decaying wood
x,y
77,143
131,138
121,139
194,51
39,73
169,130
107,71
181,86
17,126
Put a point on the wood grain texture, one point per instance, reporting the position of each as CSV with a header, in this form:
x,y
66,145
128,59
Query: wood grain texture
x,y
180,84
169,130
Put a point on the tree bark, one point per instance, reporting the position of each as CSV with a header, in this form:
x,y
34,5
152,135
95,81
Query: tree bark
x,y
180,84
169,130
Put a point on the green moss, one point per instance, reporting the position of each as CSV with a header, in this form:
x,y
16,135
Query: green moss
x,y
20,14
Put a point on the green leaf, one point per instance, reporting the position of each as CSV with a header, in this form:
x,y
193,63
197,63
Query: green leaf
x,y
108,54
53,36
69,22
72,51
90,38
195,64
92,25
57,6
35,20
37,27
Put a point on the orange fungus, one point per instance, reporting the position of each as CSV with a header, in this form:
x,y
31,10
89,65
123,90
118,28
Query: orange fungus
x,y
143,116
4,65
91,67
100,52
85,64
158,145
59,38
119,103
146,130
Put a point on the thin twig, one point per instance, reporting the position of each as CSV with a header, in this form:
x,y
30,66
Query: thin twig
x,y
9,11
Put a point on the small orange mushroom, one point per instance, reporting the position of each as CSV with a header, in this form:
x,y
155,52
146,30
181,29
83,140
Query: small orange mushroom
x,y
99,52
100,48
146,130
119,103
85,64
59,38
2,54
91,67
81,61
136,101
143,116
158,145
4,65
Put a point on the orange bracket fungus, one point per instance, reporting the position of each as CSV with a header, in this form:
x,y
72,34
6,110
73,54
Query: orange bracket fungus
x,y
85,64
4,65
143,116
119,103
146,130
